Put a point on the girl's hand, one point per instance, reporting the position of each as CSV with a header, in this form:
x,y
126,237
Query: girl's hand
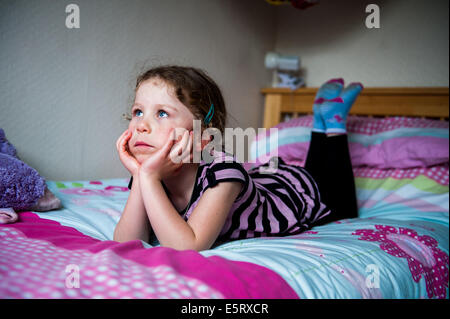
x,y
127,159
167,160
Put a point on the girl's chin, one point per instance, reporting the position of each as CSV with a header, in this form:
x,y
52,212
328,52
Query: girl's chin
x,y
140,158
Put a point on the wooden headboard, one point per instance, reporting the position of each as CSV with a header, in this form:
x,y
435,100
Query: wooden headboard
x,y
427,102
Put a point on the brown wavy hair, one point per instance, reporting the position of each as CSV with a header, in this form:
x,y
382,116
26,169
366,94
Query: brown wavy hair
x,y
195,89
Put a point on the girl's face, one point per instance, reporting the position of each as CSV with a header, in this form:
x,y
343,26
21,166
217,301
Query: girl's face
x,y
155,111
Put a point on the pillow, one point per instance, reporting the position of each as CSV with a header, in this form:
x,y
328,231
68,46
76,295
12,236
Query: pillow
x,y
384,143
21,186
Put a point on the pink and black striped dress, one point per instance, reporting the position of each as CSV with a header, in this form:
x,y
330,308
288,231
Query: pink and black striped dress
x,y
282,202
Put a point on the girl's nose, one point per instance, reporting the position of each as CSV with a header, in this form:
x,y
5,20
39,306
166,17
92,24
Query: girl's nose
x,y
143,126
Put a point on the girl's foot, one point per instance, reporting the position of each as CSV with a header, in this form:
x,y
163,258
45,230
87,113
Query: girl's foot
x,y
328,91
334,112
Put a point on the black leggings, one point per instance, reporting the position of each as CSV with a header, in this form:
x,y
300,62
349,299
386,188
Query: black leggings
x,y
329,163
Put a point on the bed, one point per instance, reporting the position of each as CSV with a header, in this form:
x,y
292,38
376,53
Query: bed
x,y
397,248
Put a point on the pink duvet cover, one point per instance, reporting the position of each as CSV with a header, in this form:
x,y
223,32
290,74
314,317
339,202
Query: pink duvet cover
x,y
41,258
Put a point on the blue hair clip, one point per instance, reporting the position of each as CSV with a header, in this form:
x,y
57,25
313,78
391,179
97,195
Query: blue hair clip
x,y
210,114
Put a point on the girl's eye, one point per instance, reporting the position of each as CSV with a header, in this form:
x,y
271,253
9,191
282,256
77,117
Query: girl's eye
x,y
162,112
137,113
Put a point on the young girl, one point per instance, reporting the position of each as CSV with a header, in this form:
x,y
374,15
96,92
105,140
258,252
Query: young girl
x,y
190,205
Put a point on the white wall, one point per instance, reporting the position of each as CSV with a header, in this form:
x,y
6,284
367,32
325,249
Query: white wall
x,y
63,91
409,49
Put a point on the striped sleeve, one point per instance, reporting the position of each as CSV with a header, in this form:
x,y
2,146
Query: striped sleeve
x,y
224,172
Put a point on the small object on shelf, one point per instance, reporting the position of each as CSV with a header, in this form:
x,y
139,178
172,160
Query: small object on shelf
x,y
285,70
289,81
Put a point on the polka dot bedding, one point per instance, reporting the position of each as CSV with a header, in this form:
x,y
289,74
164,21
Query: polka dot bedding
x,y
41,258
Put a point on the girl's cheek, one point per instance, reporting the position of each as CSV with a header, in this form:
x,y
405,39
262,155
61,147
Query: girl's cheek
x,y
177,134
165,133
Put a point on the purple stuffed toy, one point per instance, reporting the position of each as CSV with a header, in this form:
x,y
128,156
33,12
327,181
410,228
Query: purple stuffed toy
x,y
21,186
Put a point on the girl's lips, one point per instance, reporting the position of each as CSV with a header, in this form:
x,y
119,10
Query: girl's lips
x,y
141,144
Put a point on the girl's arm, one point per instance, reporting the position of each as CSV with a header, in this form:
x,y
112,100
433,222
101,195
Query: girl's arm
x,y
133,223
203,226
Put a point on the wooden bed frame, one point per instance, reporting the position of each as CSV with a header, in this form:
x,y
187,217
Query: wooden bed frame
x,y
426,102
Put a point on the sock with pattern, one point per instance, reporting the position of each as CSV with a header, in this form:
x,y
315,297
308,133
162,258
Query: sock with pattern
x,y
334,111
328,91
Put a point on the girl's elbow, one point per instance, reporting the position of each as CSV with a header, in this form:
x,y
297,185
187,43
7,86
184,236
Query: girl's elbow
x,y
117,237
122,237
200,246
197,246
